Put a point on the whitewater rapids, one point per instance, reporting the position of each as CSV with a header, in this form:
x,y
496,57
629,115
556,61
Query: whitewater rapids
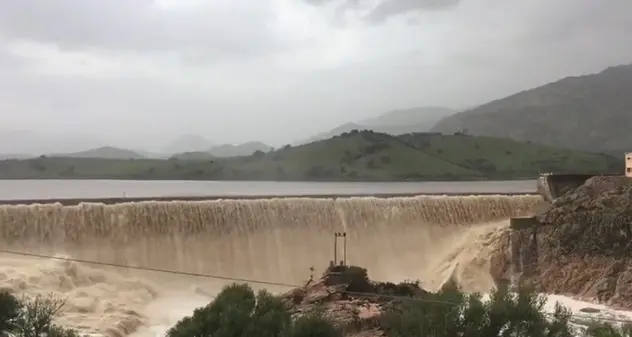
x,y
429,238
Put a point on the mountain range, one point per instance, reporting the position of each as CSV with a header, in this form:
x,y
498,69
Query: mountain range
x,y
590,112
225,150
187,143
104,152
23,143
110,152
395,122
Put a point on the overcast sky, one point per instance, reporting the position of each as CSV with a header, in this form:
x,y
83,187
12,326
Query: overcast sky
x,y
141,72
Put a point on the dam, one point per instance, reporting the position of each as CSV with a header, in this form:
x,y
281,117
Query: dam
x,y
431,238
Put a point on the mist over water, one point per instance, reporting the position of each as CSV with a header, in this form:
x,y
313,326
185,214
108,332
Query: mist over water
x,y
430,238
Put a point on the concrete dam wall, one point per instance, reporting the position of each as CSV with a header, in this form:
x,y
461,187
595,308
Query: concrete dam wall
x,y
553,185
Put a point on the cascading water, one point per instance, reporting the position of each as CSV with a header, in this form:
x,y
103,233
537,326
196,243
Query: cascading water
x,y
429,238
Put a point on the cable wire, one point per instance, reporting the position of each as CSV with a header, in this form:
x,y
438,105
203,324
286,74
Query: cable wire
x,y
281,284
115,265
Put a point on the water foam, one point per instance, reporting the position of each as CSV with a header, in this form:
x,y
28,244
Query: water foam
x,y
430,238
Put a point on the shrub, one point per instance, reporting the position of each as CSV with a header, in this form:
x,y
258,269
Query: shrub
x,y
450,312
238,312
607,330
313,324
356,278
9,311
31,317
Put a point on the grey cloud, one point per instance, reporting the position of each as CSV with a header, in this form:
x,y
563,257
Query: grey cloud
x,y
138,26
343,3
318,2
11,63
390,8
486,54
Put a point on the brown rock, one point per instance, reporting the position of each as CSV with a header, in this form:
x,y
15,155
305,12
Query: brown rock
x,y
357,314
585,245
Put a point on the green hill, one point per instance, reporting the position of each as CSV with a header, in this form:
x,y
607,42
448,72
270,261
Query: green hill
x,y
590,112
358,155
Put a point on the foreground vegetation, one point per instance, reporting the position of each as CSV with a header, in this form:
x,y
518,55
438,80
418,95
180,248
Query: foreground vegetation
x,y
358,155
405,311
31,317
237,311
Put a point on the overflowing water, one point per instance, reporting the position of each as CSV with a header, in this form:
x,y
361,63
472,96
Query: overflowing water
x,y
429,238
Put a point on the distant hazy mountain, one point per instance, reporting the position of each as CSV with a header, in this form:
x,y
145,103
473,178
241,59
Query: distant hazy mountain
x,y
396,122
30,143
106,152
188,143
225,150
245,149
419,117
590,112
197,155
4,156
152,154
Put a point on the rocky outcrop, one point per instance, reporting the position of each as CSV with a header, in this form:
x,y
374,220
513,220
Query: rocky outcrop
x,y
346,296
593,220
583,243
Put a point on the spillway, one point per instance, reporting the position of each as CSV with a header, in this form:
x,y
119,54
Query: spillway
x,y
430,238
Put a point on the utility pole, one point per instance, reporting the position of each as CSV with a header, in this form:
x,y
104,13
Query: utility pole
x,y
340,236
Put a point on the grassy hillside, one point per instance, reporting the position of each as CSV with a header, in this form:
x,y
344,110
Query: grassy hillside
x,y
589,112
364,155
106,152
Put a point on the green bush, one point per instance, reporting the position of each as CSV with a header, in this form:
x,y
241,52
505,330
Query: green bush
x,y
31,317
238,312
312,325
607,330
450,312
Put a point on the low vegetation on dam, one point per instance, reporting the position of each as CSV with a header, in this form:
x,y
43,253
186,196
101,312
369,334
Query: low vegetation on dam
x,y
256,265
354,156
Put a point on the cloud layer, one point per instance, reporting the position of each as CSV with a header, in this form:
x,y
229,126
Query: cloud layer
x,y
141,72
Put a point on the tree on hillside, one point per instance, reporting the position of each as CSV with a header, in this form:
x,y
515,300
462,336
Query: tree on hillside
x,y
258,154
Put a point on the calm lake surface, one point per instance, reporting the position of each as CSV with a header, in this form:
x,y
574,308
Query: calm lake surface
x,y
53,189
